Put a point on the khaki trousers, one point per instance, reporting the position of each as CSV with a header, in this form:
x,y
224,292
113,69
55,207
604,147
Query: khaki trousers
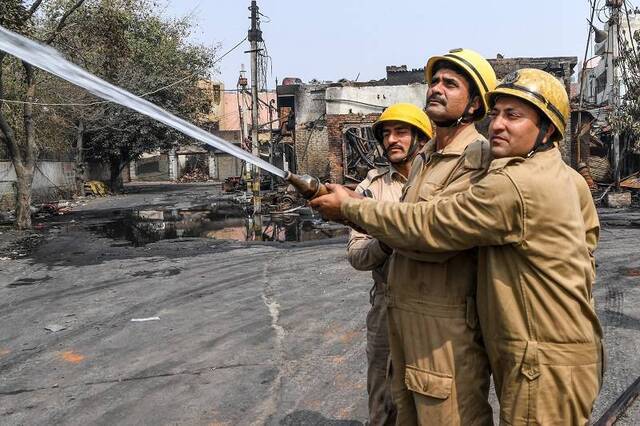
x,y
440,367
546,383
381,408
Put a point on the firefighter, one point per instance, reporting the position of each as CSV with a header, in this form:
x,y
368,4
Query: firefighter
x,y
530,220
440,371
401,130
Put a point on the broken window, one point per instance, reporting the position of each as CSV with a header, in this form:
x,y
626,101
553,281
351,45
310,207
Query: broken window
x,y
286,114
362,152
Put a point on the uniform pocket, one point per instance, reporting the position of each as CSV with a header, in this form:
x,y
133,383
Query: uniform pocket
x,y
428,190
428,383
519,387
432,396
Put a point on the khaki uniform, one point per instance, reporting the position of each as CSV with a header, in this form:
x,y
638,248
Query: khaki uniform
x,y
365,254
534,281
590,217
440,368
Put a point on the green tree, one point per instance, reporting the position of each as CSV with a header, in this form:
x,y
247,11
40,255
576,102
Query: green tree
x,y
627,118
126,42
134,47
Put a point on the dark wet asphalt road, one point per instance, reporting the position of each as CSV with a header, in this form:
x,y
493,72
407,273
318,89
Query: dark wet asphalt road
x,y
248,333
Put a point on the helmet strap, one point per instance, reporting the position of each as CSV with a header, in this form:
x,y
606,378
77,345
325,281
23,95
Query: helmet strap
x,y
540,145
413,148
465,118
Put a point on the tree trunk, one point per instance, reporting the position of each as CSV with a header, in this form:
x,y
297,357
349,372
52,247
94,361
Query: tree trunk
x,y
25,165
115,179
24,175
81,167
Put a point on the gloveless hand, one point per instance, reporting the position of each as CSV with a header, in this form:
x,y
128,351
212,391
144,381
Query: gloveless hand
x,y
329,205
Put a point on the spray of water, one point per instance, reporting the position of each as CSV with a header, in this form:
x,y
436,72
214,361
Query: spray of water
x,y
50,60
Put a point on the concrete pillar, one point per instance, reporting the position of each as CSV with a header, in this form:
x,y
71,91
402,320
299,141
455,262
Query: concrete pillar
x,y
213,166
132,171
173,165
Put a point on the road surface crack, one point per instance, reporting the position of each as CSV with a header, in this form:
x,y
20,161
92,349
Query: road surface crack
x,y
269,406
197,372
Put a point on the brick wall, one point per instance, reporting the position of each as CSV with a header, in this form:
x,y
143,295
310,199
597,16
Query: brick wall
x,y
312,150
336,125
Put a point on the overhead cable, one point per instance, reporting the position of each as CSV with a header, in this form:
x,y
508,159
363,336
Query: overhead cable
x,y
11,101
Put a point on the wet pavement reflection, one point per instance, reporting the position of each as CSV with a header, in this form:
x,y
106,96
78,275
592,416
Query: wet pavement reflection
x,y
220,221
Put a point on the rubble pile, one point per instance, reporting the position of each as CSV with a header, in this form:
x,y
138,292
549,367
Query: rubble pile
x,y
195,175
20,247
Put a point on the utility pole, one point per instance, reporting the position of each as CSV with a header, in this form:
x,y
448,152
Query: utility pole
x,y
254,37
614,81
244,131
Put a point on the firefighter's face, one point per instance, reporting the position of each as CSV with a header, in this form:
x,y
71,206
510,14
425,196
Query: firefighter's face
x,y
514,127
397,138
448,96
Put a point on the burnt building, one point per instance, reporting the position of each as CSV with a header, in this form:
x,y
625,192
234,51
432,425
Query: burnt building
x,y
326,126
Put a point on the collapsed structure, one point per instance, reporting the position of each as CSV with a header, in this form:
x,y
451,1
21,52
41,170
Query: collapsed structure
x,y
324,128
328,124
607,82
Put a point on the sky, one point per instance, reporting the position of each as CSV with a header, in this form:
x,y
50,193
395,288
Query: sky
x,y
334,39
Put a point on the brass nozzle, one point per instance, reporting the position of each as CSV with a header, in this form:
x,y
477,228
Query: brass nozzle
x,y
308,186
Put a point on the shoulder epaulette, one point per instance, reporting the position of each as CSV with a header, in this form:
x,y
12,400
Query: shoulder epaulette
x,y
501,163
477,154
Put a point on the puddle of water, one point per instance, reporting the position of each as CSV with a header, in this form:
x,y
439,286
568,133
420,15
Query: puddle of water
x,y
216,221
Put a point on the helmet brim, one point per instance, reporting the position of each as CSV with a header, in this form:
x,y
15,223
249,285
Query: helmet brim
x,y
541,106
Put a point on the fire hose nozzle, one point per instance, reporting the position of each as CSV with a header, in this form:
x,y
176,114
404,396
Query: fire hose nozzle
x,y
309,187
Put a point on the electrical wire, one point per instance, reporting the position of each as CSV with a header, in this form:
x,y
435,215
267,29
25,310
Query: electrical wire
x,y
631,36
603,10
47,177
264,16
10,101
338,100
629,76
583,74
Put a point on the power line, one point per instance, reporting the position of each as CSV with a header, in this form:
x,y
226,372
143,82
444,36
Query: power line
x,y
631,35
11,101
351,101
582,77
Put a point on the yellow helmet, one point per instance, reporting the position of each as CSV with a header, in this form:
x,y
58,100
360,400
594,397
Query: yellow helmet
x,y
406,113
477,67
542,90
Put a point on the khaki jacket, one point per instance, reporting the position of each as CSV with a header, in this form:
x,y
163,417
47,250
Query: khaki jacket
x,y
440,371
364,252
535,268
441,278
589,215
